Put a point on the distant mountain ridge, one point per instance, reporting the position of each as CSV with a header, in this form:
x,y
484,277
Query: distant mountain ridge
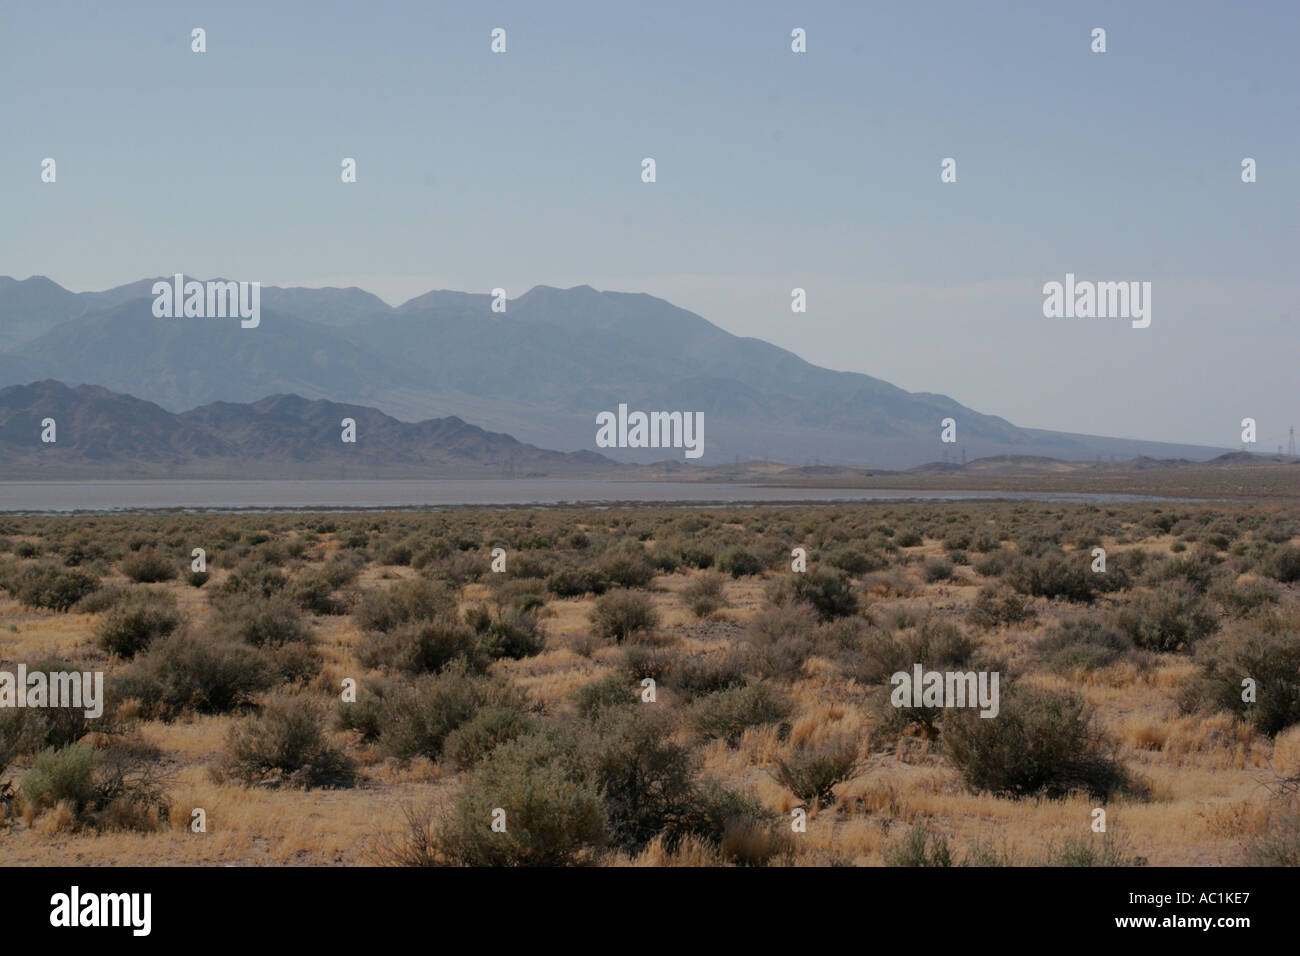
x,y
102,434
540,371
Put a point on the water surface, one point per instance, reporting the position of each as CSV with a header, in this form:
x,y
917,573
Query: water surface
x,y
257,495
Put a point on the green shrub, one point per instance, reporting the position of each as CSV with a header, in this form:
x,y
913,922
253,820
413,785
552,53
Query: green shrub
x,y
921,847
260,621
1083,644
1284,564
416,599
626,566
512,634
999,608
727,714
492,726
622,614
111,789
811,773
553,814
49,586
1054,576
284,745
938,569
137,621
1171,619
642,775
420,647
704,594
1266,649
148,567
1040,743
193,673
417,719
738,562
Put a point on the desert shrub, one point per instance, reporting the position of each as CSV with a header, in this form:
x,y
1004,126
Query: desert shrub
x,y
727,714
194,673
704,594
106,596
284,745
921,847
1265,648
1284,564
314,592
511,633
416,599
811,773
878,656
1040,743
705,674
780,639
626,566
29,730
1279,843
340,571
938,569
137,621
938,645
260,621
738,561
492,726
855,560
622,614
642,775
908,538
1245,597
1054,576
640,662
61,776
554,814
575,582
608,693
116,788
147,567
1104,850
999,608
196,579
1170,619
250,580
1197,570
825,590
417,719
296,662
420,647
49,585
365,715
1083,644
995,563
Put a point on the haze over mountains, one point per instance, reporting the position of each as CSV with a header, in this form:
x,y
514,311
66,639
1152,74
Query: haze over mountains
x,y
105,434
540,372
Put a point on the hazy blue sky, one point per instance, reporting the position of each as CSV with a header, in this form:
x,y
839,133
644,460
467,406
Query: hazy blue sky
x,y
775,170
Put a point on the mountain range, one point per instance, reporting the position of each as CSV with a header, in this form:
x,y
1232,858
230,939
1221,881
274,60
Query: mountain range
x,y
99,434
539,371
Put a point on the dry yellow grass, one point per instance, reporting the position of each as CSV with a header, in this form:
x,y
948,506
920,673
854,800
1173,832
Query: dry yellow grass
x,y
1206,773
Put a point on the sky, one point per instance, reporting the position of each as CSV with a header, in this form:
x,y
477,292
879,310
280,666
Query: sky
x,y
775,170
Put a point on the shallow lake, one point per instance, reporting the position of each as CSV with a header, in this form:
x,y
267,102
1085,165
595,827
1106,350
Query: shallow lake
x,y
257,495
